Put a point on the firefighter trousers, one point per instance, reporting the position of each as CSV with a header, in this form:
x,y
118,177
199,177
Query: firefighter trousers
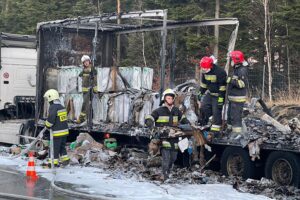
x,y
169,156
59,144
210,107
85,106
235,112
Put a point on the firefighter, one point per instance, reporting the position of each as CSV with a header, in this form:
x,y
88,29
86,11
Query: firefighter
x,y
89,81
167,115
211,95
57,122
237,91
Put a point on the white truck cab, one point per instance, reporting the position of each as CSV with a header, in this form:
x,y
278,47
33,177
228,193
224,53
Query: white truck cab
x,y
18,60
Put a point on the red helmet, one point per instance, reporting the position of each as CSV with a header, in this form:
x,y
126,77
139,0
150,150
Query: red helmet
x,y
237,57
206,62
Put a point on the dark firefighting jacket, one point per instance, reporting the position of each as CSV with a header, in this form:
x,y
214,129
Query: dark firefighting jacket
x,y
237,84
162,116
57,120
214,82
89,79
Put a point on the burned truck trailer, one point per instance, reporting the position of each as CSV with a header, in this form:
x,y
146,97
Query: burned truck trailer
x,y
61,44
125,94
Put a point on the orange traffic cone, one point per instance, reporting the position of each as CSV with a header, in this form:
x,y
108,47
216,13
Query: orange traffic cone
x,y
30,167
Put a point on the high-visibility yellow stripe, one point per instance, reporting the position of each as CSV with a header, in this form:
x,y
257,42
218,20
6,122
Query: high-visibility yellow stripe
x,y
48,124
85,89
203,85
64,158
222,88
55,161
239,99
220,100
163,119
85,75
61,113
166,144
215,128
61,134
241,83
212,78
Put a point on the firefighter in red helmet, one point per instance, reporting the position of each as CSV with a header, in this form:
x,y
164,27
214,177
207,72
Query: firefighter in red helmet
x,y
212,94
237,92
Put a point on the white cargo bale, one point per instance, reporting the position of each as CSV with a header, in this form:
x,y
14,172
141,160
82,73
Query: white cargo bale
x,y
100,108
105,80
119,106
138,77
67,79
147,78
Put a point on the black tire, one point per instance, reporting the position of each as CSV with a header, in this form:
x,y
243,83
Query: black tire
x,y
26,129
236,161
283,168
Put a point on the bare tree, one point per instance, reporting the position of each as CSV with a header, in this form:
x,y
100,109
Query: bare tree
x,y
267,36
217,13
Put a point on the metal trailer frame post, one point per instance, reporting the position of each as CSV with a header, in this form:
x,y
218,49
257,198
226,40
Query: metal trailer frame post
x,y
173,60
163,52
91,86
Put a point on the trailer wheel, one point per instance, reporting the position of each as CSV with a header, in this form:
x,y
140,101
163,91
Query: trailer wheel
x,y
283,168
26,129
236,161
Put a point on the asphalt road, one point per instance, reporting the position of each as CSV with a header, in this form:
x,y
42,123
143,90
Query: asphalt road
x,y
14,182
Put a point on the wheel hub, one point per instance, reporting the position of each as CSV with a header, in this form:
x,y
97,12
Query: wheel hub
x,y
235,165
282,172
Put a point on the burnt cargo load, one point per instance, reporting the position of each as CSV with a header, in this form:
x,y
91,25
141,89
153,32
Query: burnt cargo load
x,y
273,152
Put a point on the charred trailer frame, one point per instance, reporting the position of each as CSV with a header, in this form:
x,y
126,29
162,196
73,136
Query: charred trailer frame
x,y
63,42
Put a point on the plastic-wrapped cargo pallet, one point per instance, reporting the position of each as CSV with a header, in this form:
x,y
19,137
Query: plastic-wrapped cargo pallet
x,y
138,77
108,107
105,81
69,87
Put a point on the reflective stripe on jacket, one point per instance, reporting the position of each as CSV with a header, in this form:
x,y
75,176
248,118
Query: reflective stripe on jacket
x,y
214,82
237,88
57,120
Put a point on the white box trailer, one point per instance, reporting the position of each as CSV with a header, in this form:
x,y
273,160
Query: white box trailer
x,y
18,58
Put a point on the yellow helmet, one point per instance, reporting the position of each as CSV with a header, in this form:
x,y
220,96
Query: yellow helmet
x,y
169,92
51,95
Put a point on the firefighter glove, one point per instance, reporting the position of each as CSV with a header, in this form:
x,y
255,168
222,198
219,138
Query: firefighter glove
x,y
149,123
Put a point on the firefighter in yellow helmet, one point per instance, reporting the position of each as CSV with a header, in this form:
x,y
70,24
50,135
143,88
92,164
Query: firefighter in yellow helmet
x,y
89,81
167,115
57,122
